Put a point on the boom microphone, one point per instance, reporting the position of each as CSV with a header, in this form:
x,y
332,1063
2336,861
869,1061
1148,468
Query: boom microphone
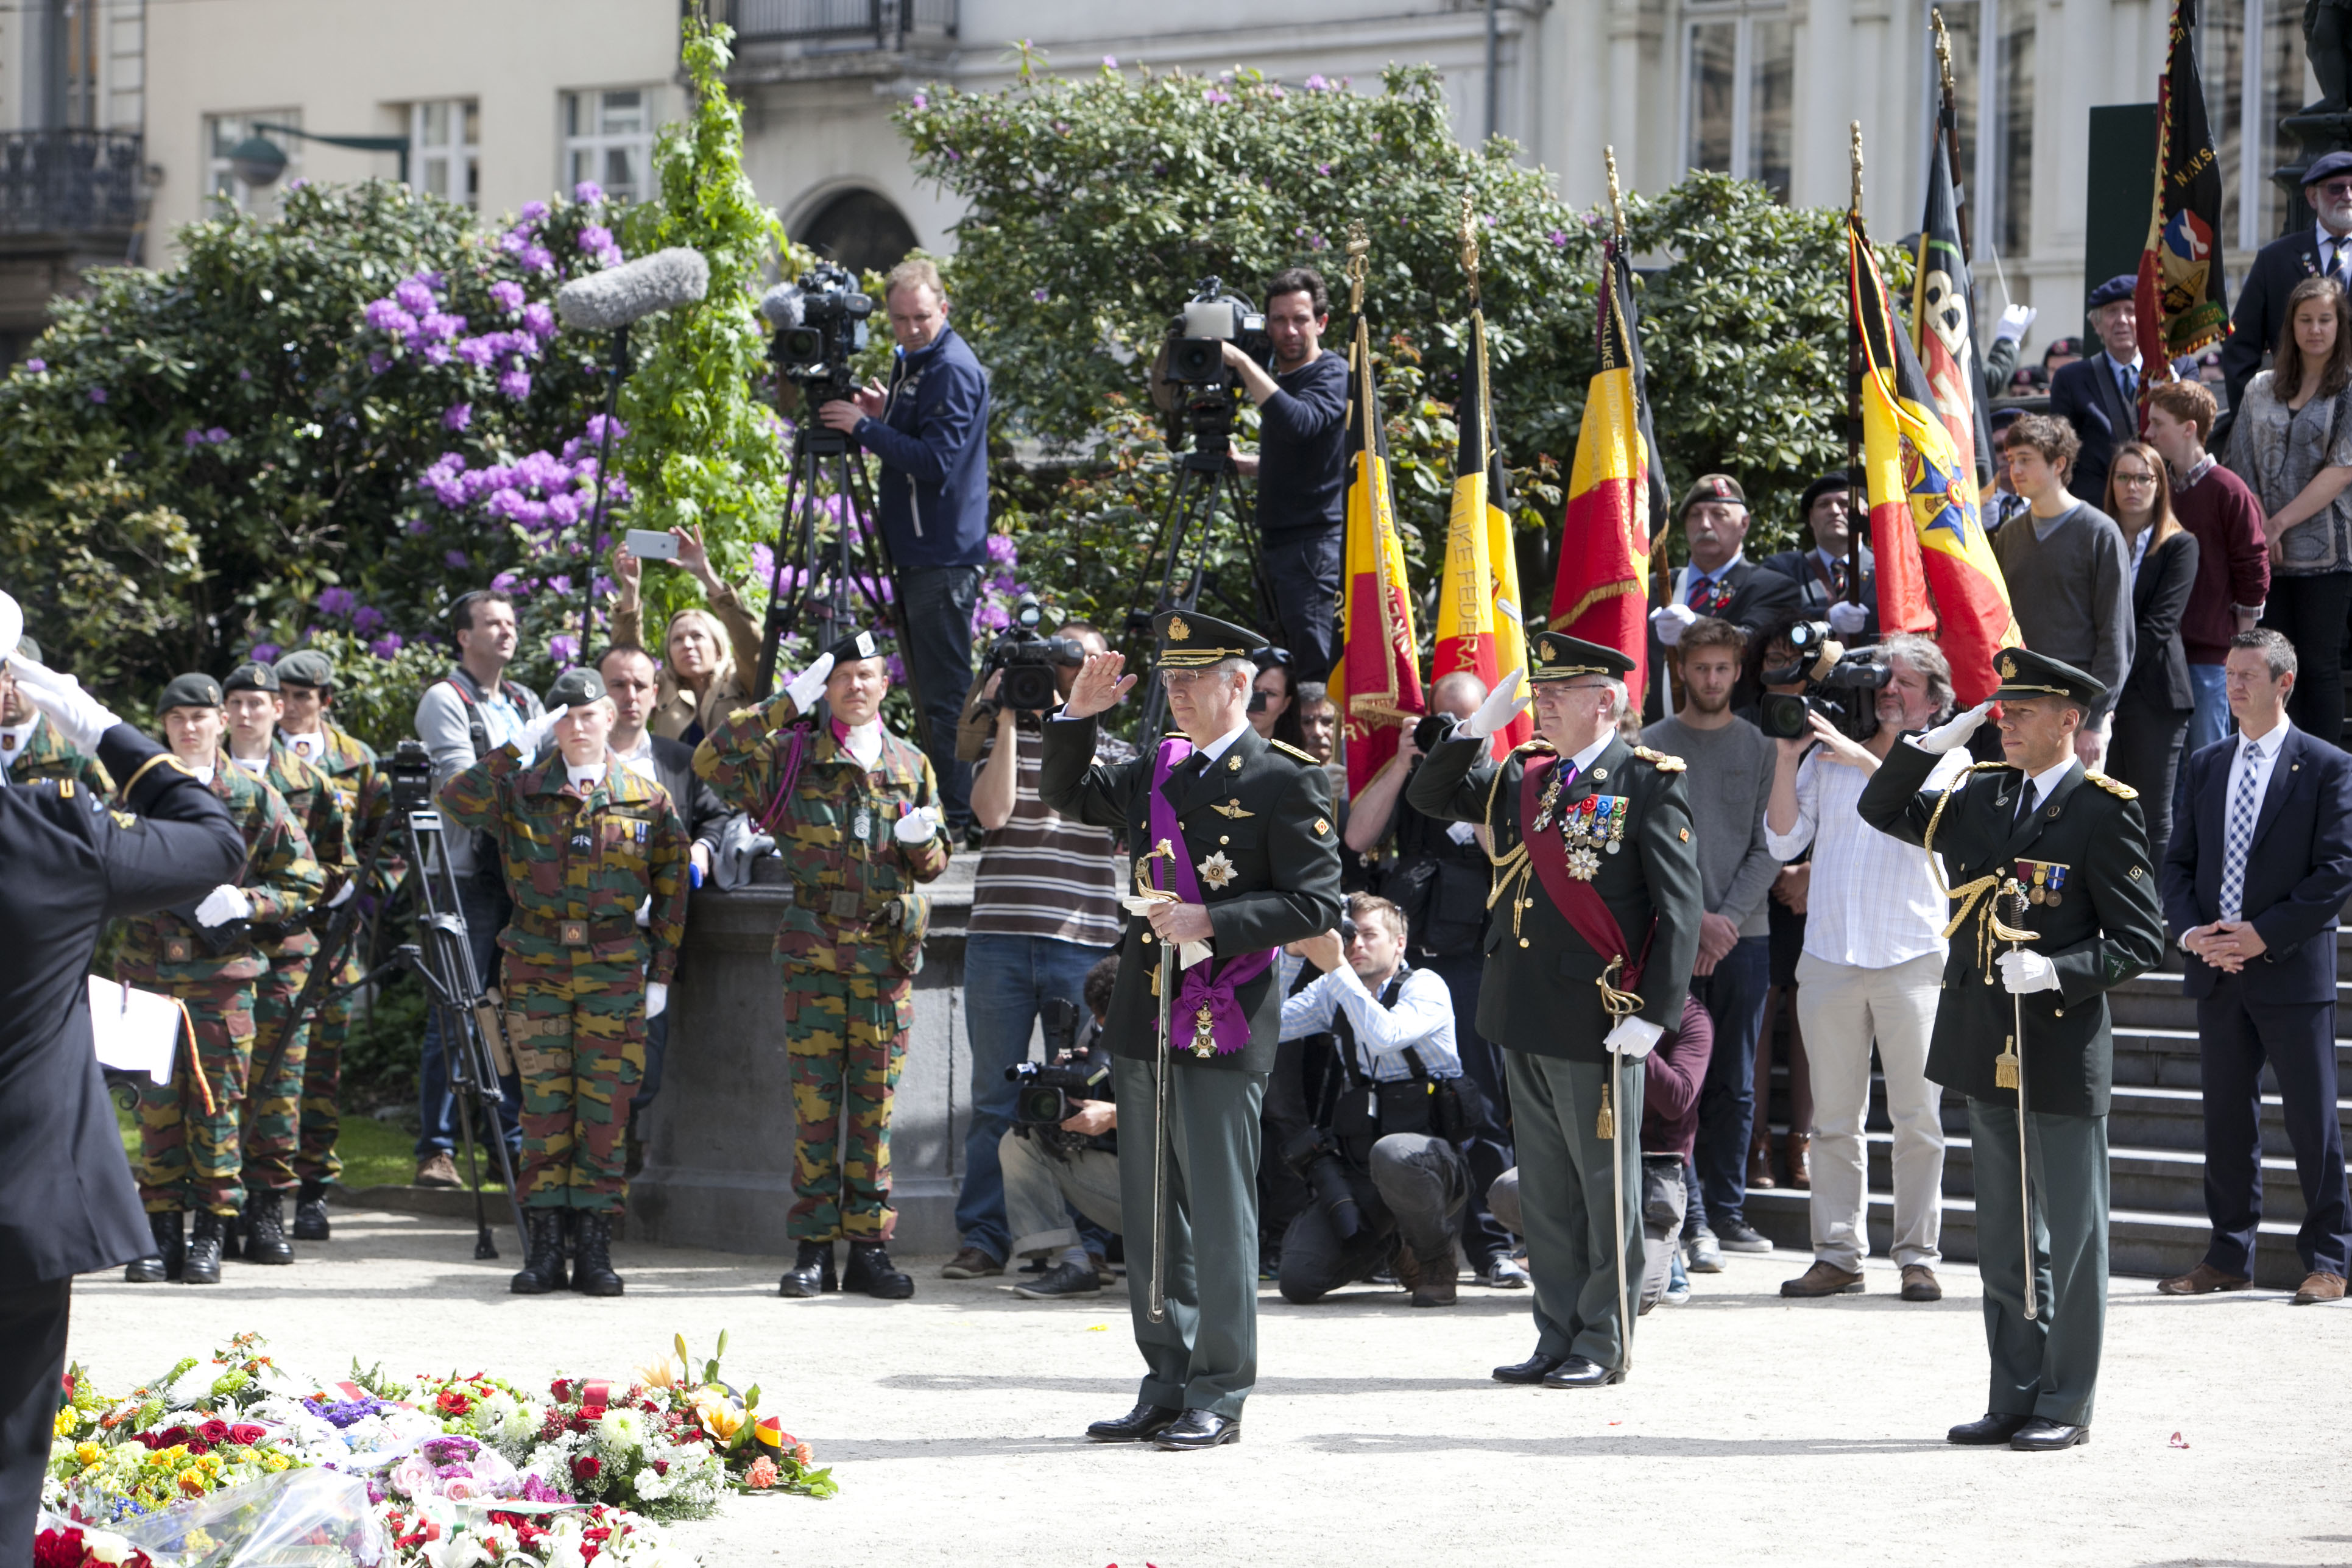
x,y
781,306
604,300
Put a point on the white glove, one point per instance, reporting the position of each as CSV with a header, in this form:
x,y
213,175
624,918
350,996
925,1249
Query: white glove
x,y
2013,322
539,730
1954,732
1502,705
645,912
656,998
78,716
1847,618
344,894
2024,970
918,826
809,684
1506,611
1635,1039
224,904
1669,623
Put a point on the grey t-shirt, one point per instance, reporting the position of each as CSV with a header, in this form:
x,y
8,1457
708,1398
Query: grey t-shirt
x,y
1729,779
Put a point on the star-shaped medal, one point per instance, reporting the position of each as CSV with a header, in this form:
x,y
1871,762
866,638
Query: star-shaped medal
x,y
1217,872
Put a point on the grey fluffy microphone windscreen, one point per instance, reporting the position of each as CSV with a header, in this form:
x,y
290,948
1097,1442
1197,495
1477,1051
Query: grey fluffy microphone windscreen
x,y
781,306
634,290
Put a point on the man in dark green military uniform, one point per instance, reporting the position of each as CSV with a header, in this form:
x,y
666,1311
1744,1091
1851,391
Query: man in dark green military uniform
x,y
1238,830
31,749
1595,922
2075,847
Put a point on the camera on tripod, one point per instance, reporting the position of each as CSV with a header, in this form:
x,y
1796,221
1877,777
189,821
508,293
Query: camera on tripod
x,y
411,773
1027,660
1841,687
1193,385
1047,1087
820,323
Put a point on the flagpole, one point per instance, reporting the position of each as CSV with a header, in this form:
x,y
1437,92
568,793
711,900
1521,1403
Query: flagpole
x,y
1658,574
1858,518
1948,129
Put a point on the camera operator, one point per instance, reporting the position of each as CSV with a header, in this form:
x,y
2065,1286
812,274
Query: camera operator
x,y
1044,906
1873,968
1072,1163
1300,465
1386,1125
930,427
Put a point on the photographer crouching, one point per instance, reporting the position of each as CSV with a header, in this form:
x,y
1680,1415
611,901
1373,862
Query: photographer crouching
x,y
1061,1151
1381,1158
1300,465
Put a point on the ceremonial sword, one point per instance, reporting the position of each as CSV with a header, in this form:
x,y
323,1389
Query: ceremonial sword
x,y
2008,1072
1164,1058
1620,1006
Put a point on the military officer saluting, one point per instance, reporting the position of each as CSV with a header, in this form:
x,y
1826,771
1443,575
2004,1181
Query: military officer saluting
x,y
31,749
1595,924
1237,830
2037,848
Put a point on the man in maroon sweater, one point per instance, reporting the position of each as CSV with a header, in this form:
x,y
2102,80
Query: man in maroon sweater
x,y
2233,562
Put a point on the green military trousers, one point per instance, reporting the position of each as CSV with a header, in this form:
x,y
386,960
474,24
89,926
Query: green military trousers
x,y
273,1111
2048,1366
1569,1200
190,1130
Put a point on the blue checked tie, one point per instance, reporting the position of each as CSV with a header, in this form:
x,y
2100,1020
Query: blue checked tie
x,y
2239,838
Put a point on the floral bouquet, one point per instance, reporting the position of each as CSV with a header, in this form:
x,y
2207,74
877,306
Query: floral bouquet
x,y
759,1455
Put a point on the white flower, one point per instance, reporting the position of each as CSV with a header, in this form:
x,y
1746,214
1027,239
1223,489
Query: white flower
x,y
650,1484
104,1545
621,1428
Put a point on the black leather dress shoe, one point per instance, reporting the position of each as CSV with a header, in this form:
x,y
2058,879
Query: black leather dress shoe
x,y
1532,1370
1578,1373
1988,1431
1143,1421
2039,1436
1199,1430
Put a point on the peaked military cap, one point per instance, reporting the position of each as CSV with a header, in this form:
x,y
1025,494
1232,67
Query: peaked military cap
x,y
576,688
1711,487
2024,673
189,692
307,668
861,645
2114,290
252,676
1188,639
1556,656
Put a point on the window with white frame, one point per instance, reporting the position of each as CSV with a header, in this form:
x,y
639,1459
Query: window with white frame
x,y
444,149
1739,93
608,138
2246,107
1992,88
223,132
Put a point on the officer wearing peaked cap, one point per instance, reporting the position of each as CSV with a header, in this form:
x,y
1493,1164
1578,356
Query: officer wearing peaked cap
x,y
1595,924
2053,903
1233,847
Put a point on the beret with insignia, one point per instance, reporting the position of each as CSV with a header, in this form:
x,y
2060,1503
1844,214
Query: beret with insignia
x,y
852,648
575,687
252,676
191,691
307,667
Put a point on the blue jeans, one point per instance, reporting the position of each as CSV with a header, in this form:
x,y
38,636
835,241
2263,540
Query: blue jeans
x,y
2211,721
486,907
1733,996
938,601
1007,980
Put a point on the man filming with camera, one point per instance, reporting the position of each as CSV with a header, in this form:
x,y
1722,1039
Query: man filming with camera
x,y
930,427
1061,1150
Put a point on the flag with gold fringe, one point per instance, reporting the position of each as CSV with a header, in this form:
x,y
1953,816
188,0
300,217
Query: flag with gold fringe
x,y
1479,625
1377,682
2177,297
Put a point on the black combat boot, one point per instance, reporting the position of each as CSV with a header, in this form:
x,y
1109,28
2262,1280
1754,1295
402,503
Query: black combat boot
x,y
311,1212
871,1271
812,1271
203,1267
542,1270
171,1254
592,1255
265,1227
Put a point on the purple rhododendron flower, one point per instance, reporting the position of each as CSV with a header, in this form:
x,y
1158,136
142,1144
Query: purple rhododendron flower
x,y
560,582
386,316
38,367
588,193
97,395
367,619
457,415
506,294
378,361
386,646
538,319
513,241
417,526
516,384
763,562
1039,295
441,325
192,438
1559,238
245,376
216,435
537,259
1110,62
414,295
534,212
1215,95
455,560
921,101
263,652
337,601
595,237
436,353
563,647
1003,550
477,352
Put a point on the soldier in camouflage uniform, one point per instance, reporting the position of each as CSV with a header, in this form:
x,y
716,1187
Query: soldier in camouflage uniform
x,y
31,749
189,1129
307,683
851,807
586,844
251,697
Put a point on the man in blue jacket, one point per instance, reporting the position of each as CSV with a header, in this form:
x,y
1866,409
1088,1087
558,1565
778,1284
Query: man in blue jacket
x,y
930,427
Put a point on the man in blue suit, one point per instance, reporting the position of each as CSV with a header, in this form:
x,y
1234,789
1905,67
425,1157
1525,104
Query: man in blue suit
x,y
2099,396
2258,869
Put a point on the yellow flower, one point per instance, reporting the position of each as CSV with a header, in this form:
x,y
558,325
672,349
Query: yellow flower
x,y
68,1422
193,1481
658,1374
88,1453
721,1417
212,1463
276,1462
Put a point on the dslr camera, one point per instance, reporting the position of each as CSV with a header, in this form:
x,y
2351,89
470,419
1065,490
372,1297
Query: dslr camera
x,y
1193,385
820,322
1841,687
1027,661
1046,1089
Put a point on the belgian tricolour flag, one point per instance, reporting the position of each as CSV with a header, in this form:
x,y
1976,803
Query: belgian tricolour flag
x,y
1479,627
1377,682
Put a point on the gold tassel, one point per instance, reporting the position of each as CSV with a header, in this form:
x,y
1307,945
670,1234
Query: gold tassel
x,y
1606,1127
2005,1066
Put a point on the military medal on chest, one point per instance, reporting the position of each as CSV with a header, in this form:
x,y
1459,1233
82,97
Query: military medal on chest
x,y
1581,827
2045,882
862,825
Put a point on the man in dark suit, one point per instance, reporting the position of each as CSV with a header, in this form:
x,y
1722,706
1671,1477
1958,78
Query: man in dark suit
x,y
2036,844
1588,953
66,1203
1826,510
2099,396
1239,829
2260,869
1720,582
2323,247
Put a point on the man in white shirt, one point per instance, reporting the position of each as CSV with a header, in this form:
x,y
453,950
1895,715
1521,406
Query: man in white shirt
x,y
1873,969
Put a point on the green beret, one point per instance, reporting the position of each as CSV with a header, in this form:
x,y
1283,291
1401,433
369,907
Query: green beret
x,y
307,668
575,687
189,692
252,676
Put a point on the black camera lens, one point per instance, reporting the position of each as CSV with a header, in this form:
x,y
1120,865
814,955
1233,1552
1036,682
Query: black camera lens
x,y
1431,732
1028,688
1784,717
1807,636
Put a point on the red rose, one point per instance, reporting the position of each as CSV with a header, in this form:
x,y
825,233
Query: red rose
x,y
246,1433
198,1446
215,1432
562,1389
58,1549
586,1467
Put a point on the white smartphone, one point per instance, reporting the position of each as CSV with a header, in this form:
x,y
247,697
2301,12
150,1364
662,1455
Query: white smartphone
x,y
646,545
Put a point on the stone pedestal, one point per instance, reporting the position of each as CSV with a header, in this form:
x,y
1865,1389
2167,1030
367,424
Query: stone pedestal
x,y
719,1156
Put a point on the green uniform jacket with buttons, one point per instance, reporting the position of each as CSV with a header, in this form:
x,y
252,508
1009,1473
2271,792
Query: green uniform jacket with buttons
x,y
1266,809
2105,927
1539,993
280,879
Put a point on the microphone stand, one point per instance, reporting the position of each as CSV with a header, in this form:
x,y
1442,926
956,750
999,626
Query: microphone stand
x,y
620,369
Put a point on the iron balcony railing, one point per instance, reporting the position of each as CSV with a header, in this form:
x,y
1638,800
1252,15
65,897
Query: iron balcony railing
x,y
829,24
55,181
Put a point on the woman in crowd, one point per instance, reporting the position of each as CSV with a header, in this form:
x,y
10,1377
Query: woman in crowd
x,y
2292,443
1278,683
2152,713
708,657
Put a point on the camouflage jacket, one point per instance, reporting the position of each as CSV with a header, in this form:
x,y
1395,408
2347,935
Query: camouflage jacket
x,y
578,865
855,908
48,756
361,780
279,877
311,796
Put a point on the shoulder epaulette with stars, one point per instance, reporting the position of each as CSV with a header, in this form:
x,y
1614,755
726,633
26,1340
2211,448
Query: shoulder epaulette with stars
x,y
1287,750
1661,761
2115,787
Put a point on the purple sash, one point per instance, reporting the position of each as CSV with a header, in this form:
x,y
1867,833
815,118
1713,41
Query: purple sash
x,y
1205,999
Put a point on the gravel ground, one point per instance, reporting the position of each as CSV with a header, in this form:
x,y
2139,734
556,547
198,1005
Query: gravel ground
x,y
1752,1430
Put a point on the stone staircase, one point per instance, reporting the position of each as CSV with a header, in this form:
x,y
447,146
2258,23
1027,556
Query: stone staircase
x,y
2156,1135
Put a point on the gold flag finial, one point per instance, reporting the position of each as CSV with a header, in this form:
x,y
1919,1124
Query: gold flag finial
x,y
1855,206
1470,243
1360,265
1943,47
1616,195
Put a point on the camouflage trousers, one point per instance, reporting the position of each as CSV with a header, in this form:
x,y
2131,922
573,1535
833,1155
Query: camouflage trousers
x,y
577,1026
273,1110
189,1158
845,1035
322,1083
